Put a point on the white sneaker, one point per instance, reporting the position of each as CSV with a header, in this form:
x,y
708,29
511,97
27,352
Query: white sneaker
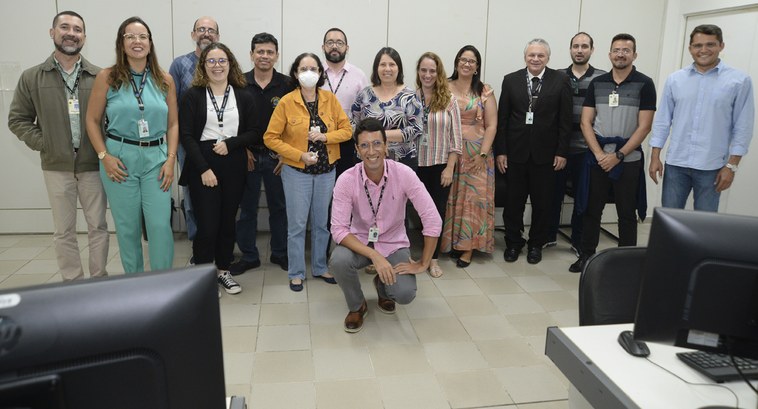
x,y
549,244
225,280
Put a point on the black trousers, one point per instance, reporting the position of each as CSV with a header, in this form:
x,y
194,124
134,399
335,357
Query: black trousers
x,y
538,183
430,176
625,191
216,207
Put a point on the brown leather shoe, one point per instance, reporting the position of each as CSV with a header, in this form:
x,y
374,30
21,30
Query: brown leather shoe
x,y
385,305
354,319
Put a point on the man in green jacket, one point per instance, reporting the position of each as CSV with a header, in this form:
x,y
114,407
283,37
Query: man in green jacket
x,y
47,114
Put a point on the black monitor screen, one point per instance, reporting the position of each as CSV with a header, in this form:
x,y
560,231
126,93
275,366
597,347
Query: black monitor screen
x,y
140,341
700,282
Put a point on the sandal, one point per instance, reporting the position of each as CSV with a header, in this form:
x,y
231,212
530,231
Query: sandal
x,y
434,270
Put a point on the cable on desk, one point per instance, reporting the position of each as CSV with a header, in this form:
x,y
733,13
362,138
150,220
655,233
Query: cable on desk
x,y
736,398
737,367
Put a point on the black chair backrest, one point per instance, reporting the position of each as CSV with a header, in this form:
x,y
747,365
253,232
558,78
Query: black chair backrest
x,y
609,286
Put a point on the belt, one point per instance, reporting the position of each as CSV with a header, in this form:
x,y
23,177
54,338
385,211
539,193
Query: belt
x,y
154,142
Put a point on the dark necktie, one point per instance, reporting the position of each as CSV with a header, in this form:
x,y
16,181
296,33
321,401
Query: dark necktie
x,y
535,85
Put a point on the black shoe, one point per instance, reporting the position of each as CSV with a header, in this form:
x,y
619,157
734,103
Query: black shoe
x,y
578,265
283,262
455,254
242,266
461,263
511,254
534,255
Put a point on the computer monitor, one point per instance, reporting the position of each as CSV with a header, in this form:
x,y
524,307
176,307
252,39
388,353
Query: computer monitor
x,y
143,341
700,282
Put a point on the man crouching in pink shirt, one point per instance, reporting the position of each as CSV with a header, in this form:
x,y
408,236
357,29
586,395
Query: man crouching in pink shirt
x,y
368,224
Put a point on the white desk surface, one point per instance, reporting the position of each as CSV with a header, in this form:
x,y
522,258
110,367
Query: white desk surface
x,y
643,384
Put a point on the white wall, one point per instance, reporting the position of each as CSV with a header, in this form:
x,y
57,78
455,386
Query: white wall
x,y
498,28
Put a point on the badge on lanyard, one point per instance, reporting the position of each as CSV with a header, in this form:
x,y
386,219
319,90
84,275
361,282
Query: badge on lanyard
x,y
424,140
529,118
373,234
73,106
144,129
613,99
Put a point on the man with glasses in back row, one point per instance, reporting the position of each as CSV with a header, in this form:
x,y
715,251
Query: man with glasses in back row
x,y
344,80
204,32
617,116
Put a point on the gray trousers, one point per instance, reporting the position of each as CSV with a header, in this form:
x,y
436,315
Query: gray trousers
x,y
345,264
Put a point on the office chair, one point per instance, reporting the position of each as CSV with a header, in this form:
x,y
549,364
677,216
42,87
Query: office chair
x,y
609,286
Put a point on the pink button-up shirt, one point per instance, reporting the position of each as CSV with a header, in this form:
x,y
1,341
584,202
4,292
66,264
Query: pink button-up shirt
x,y
353,82
351,212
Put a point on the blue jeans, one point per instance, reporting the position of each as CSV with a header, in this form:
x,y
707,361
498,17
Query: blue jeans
x,y
570,172
189,213
679,181
247,225
307,194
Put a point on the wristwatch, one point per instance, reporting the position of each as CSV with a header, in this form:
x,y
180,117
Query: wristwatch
x,y
101,155
731,167
482,154
620,155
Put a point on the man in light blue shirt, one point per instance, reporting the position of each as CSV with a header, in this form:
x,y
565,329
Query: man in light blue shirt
x,y
709,110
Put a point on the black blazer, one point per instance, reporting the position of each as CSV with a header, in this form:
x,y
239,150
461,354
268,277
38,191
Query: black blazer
x,y
192,117
549,135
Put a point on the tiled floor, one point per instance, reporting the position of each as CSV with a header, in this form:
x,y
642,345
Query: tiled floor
x,y
472,339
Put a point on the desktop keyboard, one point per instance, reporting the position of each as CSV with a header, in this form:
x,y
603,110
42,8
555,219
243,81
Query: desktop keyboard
x,y
719,367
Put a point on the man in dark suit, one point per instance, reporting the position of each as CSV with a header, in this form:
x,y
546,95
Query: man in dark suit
x,y
534,125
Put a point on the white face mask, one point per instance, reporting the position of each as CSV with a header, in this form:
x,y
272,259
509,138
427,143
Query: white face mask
x,y
308,79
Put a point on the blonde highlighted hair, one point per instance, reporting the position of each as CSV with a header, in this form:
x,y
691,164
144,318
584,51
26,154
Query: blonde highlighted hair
x,y
441,96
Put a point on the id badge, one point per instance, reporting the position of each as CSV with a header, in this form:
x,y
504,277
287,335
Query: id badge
x,y
424,140
144,129
613,100
373,234
529,118
315,129
73,106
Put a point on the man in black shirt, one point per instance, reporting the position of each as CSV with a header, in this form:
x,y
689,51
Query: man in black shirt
x,y
267,86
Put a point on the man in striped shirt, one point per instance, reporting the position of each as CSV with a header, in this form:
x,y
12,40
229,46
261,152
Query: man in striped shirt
x,y
581,73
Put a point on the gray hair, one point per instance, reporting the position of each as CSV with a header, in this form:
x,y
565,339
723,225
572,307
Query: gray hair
x,y
538,41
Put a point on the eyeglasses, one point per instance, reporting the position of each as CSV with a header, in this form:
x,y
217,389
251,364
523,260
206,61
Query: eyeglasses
x,y
304,69
623,51
134,37
332,43
466,61
203,30
376,144
211,62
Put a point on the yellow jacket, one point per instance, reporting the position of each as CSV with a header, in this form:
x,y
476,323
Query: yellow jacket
x,y
287,132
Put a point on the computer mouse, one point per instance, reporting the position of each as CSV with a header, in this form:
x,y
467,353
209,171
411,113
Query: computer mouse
x,y
632,346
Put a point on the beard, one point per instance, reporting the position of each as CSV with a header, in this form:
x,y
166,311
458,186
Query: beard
x,y
68,50
335,58
202,44
584,61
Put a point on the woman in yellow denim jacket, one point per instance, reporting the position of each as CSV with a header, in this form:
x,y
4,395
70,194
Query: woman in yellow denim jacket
x,y
305,130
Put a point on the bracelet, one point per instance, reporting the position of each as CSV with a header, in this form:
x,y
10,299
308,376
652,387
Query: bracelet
x,y
171,155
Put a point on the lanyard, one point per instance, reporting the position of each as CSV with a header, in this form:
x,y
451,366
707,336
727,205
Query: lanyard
x,y
368,196
425,118
334,91
138,93
537,90
72,91
220,113
313,113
